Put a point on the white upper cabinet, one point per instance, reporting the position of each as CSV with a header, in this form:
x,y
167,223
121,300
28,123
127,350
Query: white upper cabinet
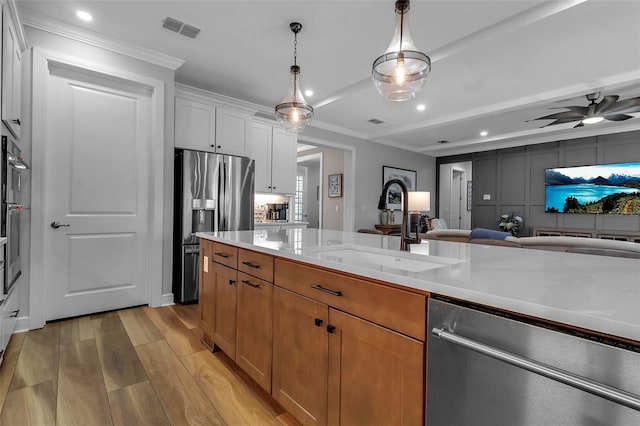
x,y
233,132
11,75
203,123
274,152
284,161
195,125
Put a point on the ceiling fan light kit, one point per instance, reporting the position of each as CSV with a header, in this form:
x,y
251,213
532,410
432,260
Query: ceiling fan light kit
x,y
401,71
293,112
609,108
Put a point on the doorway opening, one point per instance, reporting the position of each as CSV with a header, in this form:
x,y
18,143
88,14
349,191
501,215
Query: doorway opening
x,y
308,202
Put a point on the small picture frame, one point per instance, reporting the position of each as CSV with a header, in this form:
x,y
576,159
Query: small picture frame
x,y
335,185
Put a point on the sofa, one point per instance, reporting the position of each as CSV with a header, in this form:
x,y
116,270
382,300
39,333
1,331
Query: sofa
x,y
555,243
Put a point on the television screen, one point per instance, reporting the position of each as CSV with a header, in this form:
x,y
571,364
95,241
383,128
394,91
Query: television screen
x,y
603,188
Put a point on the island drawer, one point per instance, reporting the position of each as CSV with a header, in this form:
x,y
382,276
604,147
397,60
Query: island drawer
x,y
396,309
225,254
257,264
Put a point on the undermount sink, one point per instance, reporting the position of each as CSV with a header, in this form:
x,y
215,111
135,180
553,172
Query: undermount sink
x,y
380,258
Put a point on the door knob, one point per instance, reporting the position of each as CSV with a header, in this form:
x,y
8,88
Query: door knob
x,y
56,225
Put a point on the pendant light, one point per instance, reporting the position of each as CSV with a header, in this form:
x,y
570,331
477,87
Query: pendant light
x,y
294,113
402,70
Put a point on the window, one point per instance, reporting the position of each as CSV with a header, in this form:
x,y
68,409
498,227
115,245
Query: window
x,y
298,204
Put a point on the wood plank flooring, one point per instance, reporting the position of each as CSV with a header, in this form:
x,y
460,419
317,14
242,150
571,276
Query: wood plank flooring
x,y
138,366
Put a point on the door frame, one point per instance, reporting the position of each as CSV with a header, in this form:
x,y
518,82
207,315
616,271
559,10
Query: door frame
x,y
41,58
349,178
317,156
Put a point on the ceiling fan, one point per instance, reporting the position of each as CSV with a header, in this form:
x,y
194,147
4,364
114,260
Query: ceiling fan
x,y
609,108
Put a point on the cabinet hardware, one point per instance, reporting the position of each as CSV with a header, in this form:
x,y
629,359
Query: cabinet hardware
x,y
331,328
14,314
578,382
232,282
250,284
16,121
326,290
225,255
213,146
219,146
318,322
251,265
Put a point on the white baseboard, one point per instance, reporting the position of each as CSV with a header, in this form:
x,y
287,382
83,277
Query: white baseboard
x,y
165,300
22,324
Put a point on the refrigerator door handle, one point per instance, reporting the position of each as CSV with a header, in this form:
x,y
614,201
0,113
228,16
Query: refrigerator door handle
x,y
603,391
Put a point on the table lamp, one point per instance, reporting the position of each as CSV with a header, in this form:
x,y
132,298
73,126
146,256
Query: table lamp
x,y
419,201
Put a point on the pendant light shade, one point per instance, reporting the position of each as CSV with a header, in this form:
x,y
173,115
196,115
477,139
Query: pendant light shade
x,y
293,112
402,70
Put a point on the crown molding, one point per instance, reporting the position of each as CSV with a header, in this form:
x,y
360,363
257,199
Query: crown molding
x,y
530,137
202,95
43,23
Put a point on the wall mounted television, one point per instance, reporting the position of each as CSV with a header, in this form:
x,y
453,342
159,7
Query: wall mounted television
x,y
597,189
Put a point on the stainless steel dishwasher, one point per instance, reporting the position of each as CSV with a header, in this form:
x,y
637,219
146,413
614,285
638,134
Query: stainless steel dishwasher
x,y
487,369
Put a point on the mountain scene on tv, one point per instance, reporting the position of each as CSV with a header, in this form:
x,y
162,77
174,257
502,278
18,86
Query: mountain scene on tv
x,y
600,189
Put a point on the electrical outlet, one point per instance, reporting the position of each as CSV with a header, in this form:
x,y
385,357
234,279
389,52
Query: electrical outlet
x,y
486,197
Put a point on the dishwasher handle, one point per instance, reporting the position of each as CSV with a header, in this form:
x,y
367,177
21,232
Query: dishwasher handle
x,y
607,392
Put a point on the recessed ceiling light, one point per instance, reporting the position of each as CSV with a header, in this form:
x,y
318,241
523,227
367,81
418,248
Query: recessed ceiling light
x,y
308,92
421,107
85,16
484,133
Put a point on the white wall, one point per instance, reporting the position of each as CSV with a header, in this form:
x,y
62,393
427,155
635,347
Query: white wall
x,y
48,41
313,203
369,159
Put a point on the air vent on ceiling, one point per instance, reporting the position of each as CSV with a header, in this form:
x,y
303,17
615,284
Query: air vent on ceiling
x,y
375,121
177,26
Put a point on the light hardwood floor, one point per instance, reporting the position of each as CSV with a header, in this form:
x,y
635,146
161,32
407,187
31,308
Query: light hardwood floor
x,y
138,366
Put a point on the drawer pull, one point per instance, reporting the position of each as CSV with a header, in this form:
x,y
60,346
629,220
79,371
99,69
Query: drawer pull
x,y
251,265
318,322
250,284
225,255
232,282
326,290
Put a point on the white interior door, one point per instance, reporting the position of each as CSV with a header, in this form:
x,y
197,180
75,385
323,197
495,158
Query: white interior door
x,y
456,199
97,187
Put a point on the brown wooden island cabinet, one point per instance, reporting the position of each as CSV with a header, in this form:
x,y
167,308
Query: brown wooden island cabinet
x,y
346,350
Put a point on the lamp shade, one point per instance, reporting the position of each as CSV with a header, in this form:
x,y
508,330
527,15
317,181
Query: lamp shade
x,y
419,201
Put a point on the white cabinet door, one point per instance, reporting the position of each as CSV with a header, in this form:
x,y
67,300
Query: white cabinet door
x,y
261,153
283,162
232,132
11,76
195,125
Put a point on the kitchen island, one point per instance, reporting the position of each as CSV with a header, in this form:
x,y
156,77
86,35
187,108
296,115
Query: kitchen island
x,y
362,296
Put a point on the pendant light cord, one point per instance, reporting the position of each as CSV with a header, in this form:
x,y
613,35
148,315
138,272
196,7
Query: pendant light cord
x,y
295,48
401,28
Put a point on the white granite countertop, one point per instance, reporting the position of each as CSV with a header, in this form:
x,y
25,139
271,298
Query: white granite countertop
x,y
599,293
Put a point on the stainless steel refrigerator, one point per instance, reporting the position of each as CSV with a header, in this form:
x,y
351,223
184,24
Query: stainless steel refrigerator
x,y
212,192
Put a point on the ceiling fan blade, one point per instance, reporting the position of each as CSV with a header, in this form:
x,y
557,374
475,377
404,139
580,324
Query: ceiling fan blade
x,y
561,121
578,109
617,117
580,124
606,102
624,107
561,115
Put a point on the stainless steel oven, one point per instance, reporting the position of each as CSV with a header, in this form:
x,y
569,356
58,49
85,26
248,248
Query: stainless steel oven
x,y
12,167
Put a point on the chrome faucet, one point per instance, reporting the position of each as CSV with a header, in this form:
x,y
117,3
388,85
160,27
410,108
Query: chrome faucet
x,y
404,240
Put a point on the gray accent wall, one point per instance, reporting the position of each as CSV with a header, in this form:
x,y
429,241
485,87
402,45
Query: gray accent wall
x,y
513,179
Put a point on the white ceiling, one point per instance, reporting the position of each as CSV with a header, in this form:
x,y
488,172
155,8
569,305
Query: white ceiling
x,y
495,64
